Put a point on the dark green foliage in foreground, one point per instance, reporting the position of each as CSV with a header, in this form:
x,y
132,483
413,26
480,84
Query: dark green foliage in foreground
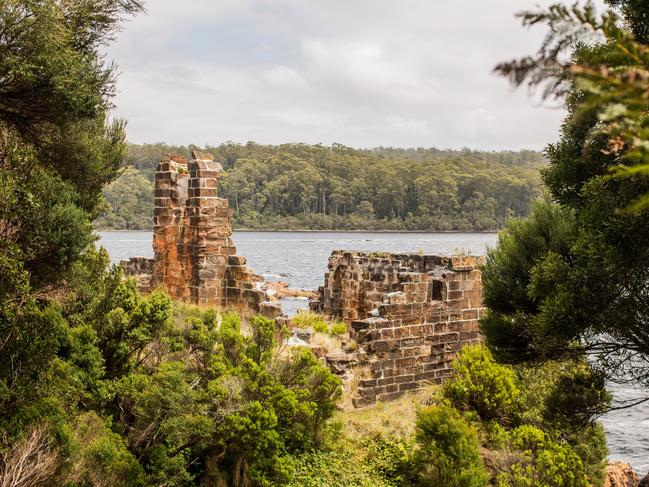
x,y
125,387
449,450
57,148
298,186
99,385
525,419
572,278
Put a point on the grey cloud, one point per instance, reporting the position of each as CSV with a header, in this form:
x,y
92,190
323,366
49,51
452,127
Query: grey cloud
x,y
359,72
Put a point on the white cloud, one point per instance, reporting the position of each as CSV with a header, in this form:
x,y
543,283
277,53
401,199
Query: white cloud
x,y
359,72
408,125
285,76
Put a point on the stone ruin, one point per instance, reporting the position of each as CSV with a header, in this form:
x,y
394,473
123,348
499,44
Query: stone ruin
x,y
194,257
408,313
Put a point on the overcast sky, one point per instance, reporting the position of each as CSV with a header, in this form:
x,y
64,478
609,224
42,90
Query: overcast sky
x,y
363,73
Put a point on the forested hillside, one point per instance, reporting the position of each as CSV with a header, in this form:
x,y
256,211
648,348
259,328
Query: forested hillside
x,y
299,186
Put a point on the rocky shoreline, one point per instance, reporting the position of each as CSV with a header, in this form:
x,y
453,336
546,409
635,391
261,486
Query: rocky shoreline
x,y
621,474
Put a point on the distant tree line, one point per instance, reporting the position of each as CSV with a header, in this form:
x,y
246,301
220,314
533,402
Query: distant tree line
x,y
300,186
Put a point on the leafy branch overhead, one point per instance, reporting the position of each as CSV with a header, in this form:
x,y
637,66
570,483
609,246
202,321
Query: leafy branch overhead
x,y
609,63
571,279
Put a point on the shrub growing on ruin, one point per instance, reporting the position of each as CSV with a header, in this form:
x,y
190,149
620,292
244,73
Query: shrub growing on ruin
x,y
480,384
448,450
307,319
338,328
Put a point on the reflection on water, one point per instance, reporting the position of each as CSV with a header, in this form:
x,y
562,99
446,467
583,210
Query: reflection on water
x,y
300,258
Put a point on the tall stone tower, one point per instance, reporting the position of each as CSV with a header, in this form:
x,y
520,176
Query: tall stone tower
x,y
195,259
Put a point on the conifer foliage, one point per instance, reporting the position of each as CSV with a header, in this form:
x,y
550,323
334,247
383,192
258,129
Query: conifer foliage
x,y
572,278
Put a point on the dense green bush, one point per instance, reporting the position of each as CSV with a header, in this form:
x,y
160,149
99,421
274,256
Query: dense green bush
x,y
227,402
579,393
335,467
543,462
479,384
101,456
389,457
535,418
192,398
448,450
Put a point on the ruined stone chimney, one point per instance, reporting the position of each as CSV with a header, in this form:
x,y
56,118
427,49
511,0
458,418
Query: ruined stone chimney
x,y
194,257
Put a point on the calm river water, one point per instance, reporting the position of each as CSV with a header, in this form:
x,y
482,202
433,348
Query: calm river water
x,y
300,258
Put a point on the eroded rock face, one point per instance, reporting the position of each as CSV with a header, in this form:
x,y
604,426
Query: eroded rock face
x,y
620,474
194,257
409,314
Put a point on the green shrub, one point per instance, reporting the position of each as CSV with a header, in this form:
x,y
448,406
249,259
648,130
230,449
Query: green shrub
x,y
497,436
225,391
578,394
338,328
102,456
336,467
543,462
388,456
479,384
448,450
307,319
320,327
590,444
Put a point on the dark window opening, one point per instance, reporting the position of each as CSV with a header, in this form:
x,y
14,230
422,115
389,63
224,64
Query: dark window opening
x,y
436,290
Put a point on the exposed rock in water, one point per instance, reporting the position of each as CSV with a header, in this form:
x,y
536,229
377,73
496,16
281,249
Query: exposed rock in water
x,y
280,289
620,474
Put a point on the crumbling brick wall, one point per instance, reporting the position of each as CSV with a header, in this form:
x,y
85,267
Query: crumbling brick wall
x,y
141,269
194,257
409,314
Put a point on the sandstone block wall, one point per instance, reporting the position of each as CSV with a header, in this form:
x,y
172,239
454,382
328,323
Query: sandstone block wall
x,y
194,257
141,269
409,314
